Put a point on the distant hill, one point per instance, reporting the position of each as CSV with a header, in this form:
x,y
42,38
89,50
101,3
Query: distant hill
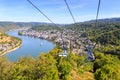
x,y
91,23
105,20
4,26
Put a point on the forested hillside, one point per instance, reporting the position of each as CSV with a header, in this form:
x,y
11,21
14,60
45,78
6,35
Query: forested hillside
x,y
45,27
103,28
51,67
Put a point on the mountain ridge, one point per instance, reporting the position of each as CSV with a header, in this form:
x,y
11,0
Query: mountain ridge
x,y
7,25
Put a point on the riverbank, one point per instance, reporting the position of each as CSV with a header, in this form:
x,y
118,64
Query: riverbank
x,y
12,49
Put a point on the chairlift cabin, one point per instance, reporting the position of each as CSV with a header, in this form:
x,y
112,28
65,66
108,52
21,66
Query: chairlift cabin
x,y
63,54
90,55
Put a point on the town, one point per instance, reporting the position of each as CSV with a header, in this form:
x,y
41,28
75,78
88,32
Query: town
x,y
67,39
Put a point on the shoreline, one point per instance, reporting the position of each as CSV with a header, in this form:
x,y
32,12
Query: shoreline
x,y
10,50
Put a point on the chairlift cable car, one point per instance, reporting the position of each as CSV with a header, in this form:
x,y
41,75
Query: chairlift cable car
x,y
90,55
64,53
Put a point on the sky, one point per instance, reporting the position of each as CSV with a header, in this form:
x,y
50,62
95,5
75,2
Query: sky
x,y
56,10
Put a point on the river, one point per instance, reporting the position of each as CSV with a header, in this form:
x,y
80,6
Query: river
x,y
30,47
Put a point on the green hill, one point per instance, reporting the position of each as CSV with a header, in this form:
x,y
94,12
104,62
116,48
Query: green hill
x,y
5,26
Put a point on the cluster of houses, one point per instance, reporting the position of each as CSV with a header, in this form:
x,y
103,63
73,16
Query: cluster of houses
x,y
4,47
7,43
72,41
8,46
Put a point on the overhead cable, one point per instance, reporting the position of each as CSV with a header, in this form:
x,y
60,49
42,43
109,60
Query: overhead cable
x,y
40,11
70,11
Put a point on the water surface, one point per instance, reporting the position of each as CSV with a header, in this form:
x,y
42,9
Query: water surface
x,y
30,47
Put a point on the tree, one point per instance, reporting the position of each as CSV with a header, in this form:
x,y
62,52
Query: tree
x,y
64,68
23,69
45,68
5,68
107,67
108,72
